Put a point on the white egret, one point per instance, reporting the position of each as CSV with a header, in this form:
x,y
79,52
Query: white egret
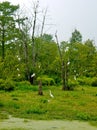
x,y
19,75
51,95
68,62
74,77
32,75
17,69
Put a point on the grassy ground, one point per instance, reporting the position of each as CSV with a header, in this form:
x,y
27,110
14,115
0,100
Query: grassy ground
x,y
80,104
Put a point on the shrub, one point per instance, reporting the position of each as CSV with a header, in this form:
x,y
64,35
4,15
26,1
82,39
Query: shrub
x,y
72,84
83,116
46,80
84,81
23,85
1,84
94,82
7,85
36,110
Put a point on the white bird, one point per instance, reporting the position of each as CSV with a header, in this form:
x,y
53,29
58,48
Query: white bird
x,y
17,69
51,95
68,62
74,77
19,58
32,75
19,75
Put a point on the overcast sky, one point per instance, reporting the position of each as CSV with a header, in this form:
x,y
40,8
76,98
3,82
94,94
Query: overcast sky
x,y
66,15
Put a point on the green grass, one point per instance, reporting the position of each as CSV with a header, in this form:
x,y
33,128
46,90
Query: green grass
x,y
80,104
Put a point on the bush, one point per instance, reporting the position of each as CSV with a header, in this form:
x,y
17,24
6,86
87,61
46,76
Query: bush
x,y
84,81
7,85
23,85
46,80
94,82
1,84
83,116
72,84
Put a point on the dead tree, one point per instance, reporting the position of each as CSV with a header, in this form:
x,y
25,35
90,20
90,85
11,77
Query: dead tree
x,y
43,22
35,8
64,69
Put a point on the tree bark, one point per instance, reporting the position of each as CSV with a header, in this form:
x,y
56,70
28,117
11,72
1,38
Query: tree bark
x,y
33,33
64,69
40,92
3,42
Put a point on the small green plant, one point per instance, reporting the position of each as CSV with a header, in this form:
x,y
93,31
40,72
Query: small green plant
x,y
16,106
44,100
36,110
83,116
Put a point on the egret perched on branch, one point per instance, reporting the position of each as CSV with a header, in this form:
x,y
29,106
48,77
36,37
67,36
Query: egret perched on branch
x,y
51,95
32,75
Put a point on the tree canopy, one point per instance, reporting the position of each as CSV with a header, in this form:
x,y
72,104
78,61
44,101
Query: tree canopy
x,y
16,50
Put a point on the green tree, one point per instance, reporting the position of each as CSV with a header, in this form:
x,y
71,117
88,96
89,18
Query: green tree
x,y
82,59
47,38
7,24
46,55
63,63
91,58
76,37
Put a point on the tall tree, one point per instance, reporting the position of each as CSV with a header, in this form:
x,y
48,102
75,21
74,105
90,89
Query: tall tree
x,y
7,23
35,9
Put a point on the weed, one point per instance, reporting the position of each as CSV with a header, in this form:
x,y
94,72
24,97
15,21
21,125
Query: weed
x,y
83,116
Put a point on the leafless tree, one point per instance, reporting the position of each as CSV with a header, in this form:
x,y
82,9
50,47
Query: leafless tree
x,y
35,9
64,67
43,22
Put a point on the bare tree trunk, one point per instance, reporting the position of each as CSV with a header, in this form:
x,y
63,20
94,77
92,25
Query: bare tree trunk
x,y
27,60
43,22
40,92
63,67
33,32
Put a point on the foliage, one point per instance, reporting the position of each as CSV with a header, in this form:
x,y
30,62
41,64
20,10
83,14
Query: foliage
x,y
46,80
47,38
72,84
85,81
76,37
16,62
7,24
23,85
94,82
7,85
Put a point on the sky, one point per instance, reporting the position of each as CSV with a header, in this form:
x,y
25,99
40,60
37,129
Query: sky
x,y
67,15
